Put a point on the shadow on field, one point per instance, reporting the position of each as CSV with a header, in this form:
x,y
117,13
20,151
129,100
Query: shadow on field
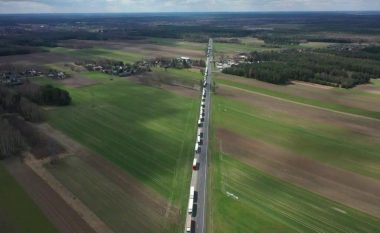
x,y
141,129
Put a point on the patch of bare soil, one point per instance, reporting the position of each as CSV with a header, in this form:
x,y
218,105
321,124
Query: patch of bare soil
x,y
78,81
353,190
166,83
363,126
64,218
312,85
181,90
370,88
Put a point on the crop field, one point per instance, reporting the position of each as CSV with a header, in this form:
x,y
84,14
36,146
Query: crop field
x,y
353,101
251,44
347,142
122,204
268,172
177,43
98,52
147,48
316,45
188,76
18,213
235,48
143,130
262,203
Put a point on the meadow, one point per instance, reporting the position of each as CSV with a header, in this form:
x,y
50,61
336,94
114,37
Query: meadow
x,y
177,43
288,93
121,206
18,213
266,145
98,52
143,130
262,203
305,137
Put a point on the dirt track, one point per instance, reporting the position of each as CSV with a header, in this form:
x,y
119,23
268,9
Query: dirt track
x,y
153,202
353,190
63,217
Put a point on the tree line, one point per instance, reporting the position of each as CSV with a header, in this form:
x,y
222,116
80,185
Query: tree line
x,y
11,141
19,105
44,95
13,102
326,69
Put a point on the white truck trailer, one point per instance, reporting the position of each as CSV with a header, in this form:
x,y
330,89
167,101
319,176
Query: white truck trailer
x,y
195,162
190,207
188,223
192,190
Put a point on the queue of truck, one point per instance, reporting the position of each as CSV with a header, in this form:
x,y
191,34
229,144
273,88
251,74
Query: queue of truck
x,y
190,223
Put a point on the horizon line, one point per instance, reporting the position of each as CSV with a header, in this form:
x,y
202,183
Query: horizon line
x,y
194,12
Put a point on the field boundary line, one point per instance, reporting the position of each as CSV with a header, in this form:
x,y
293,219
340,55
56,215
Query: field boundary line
x,y
77,205
302,104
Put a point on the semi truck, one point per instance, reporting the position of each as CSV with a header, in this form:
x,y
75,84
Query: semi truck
x,y
200,132
190,207
199,140
192,190
194,165
189,222
197,148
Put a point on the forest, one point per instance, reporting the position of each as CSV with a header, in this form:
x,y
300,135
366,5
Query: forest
x,y
19,105
310,66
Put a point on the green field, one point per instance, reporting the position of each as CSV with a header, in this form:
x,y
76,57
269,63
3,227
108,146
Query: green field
x,y
146,131
177,43
316,45
98,52
341,148
112,118
376,82
18,213
186,76
117,206
299,99
234,48
266,204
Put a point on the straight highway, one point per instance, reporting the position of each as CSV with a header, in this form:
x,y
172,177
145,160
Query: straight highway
x,y
196,218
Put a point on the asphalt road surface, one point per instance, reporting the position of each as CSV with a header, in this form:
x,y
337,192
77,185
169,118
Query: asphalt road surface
x,y
199,215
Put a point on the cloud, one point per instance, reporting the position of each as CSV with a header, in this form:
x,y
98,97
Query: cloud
x,y
13,6
65,6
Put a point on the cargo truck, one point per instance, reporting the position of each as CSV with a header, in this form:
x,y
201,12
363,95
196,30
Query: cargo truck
x,y
194,165
190,207
189,222
192,190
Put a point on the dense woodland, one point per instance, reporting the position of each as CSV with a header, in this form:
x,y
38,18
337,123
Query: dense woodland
x,y
321,68
11,141
19,105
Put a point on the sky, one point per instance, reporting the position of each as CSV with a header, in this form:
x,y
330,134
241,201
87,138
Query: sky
x,y
104,6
